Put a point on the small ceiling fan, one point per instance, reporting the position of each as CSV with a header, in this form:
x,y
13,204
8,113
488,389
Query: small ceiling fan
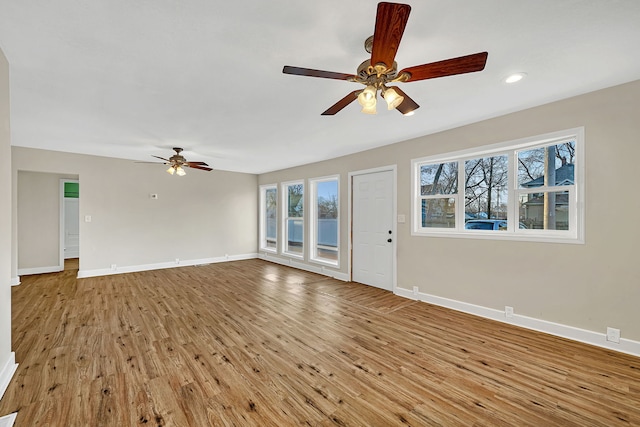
x,y
376,73
177,162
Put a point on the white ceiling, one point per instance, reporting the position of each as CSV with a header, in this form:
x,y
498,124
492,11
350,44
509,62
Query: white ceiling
x,y
131,79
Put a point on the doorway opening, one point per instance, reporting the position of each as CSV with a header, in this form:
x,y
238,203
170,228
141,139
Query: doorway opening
x,y
69,223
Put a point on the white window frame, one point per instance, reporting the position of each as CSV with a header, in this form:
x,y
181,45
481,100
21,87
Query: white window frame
x,y
313,221
575,234
263,218
284,187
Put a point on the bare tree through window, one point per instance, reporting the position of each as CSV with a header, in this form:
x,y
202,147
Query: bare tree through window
x,y
294,222
325,240
485,188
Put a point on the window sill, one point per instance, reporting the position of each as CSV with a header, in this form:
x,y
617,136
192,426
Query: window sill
x,y
562,237
328,263
292,255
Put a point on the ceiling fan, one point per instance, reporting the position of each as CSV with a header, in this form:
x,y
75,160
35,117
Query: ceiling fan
x,y
177,162
381,69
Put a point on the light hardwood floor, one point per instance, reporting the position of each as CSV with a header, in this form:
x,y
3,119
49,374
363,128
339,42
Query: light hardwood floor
x,y
251,343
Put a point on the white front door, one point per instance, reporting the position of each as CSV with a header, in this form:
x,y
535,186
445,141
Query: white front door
x,y
373,238
71,228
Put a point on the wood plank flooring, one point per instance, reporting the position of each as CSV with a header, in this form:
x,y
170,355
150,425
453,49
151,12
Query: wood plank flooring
x,y
251,343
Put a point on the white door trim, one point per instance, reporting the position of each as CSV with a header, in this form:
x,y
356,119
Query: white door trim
x,y
394,170
62,213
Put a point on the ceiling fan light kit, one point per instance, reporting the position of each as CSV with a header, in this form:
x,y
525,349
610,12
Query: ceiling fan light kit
x,y
391,96
177,163
177,170
375,73
369,109
367,99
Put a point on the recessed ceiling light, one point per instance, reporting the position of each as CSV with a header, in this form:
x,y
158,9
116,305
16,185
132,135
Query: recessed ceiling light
x,y
515,77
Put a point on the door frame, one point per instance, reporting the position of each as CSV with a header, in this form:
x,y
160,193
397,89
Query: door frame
x,y
394,228
62,217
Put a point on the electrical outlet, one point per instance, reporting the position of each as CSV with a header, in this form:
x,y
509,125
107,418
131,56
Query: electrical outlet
x,y
613,335
177,260
114,267
508,311
415,290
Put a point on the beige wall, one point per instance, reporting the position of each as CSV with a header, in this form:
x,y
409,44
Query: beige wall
x,y
39,219
6,356
201,215
588,286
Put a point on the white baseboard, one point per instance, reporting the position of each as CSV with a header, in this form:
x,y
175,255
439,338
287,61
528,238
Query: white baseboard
x,y
576,334
161,265
15,281
6,373
40,270
301,265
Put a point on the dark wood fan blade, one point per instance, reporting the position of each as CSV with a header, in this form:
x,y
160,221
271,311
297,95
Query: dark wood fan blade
x,y
298,71
197,163
161,158
391,19
192,166
408,105
342,103
448,67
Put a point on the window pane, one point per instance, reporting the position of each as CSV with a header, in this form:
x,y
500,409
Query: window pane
x,y
268,220
271,206
534,172
546,211
293,221
295,228
295,202
327,199
486,188
439,178
439,213
327,220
